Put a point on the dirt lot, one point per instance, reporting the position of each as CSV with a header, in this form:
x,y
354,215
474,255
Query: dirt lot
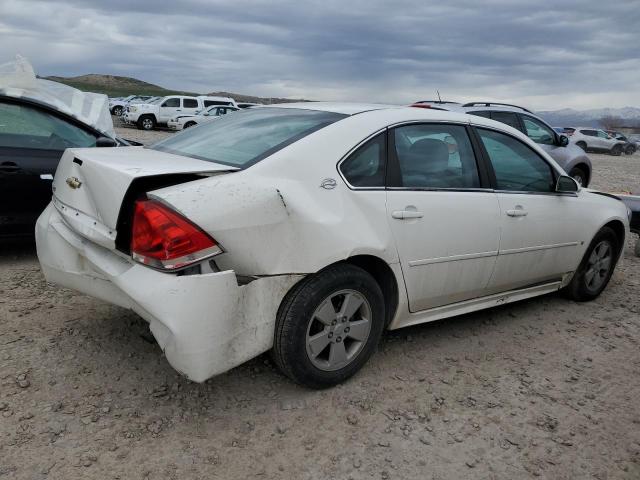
x,y
544,388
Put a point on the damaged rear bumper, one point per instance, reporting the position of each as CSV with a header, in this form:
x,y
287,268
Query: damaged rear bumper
x,y
206,324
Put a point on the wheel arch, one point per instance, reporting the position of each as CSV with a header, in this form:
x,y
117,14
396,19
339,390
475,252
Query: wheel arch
x,y
583,167
384,277
618,228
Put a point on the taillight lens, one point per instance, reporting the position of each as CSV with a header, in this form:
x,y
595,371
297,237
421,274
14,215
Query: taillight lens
x,y
421,105
164,239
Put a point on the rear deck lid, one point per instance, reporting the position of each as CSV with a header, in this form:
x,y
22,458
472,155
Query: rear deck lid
x,y
90,183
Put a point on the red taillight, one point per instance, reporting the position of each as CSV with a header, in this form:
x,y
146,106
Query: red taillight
x,y
164,239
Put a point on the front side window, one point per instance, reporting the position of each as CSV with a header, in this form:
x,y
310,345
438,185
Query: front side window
x,y
538,131
516,166
171,103
435,156
189,103
245,138
602,134
366,166
23,126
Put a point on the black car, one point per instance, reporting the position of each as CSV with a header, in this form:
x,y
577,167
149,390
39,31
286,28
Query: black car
x,y
33,136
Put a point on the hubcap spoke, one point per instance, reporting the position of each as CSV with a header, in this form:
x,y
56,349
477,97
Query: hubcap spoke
x,y
588,276
337,354
319,342
359,330
350,305
326,313
593,258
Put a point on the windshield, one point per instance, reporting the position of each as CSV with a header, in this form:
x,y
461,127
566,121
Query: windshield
x,y
248,136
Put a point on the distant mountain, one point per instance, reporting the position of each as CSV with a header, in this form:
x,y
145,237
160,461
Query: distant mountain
x,y
569,117
117,86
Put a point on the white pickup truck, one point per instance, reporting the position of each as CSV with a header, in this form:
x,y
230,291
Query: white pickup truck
x,y
146,116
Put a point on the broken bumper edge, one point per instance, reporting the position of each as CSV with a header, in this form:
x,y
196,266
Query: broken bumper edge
x,y
206,324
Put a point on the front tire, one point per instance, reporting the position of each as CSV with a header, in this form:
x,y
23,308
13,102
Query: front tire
x,y
189,124
582,145
595,269
117,111
616,151
630,150
579,176
328,326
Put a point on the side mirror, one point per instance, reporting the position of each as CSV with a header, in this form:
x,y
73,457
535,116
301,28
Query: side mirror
x,y
563,140
106,142
566,184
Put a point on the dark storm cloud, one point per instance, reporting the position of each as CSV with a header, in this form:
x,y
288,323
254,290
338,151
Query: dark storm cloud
x,y
546,54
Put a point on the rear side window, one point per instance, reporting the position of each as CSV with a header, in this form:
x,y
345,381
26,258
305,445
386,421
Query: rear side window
x,y
248,136
189,103
481,113
507,118
435,156
208,103
589,133
171,102
366,166
516,166
22,126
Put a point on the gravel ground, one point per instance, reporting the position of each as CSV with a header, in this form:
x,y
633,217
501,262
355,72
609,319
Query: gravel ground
x,y
543,388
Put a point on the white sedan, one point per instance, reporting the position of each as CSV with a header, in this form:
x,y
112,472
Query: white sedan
x,y
310,228
212,113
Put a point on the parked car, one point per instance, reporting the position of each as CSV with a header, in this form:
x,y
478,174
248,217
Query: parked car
x,y
212,113
630,146
571,158
633,204
117,105
310,228
596,140
39,119
147,116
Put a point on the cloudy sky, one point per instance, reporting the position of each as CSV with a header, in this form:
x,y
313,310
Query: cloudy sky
x,y
543,54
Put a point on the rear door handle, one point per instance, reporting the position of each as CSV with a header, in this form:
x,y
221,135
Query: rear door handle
x,y
518,211
406,214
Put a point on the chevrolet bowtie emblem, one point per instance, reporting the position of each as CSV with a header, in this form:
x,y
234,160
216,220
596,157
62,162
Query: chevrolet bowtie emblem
x,y
73,182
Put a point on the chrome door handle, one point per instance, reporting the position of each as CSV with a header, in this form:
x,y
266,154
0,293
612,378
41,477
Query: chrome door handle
x,y
406,214
517,212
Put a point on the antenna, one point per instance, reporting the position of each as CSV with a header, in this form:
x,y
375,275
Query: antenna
x,y
439,99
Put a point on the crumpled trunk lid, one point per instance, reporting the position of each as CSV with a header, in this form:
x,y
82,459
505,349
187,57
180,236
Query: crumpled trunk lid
x,y
90,184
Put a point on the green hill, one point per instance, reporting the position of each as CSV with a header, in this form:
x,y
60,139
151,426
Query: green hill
x,y
117,86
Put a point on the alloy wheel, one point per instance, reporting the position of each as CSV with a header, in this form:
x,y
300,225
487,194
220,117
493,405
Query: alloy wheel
x,y
338,330
598,265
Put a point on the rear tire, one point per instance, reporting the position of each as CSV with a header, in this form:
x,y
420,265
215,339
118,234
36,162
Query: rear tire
x,y
579,176
595,269
616,151
636,250
328,326
582,145
146,122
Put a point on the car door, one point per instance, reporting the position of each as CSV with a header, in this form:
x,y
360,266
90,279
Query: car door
x,y
32,141
605,142
444,220
169,108
190,106
541,230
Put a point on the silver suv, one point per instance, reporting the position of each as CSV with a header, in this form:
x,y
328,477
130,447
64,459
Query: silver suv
x,y
592,139
570,157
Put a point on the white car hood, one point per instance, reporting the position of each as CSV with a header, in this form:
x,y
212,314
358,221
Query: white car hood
x,y
18,80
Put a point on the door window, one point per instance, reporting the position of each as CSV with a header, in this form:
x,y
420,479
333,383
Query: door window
x,y
435,156
516,166
538,131
602,134
189,103
508,118
22,126
366,166
171,103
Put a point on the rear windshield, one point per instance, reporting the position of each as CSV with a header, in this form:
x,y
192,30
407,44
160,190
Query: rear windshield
x,y
240,139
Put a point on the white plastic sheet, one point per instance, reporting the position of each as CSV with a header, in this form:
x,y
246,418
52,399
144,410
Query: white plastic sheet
x,y
18,80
